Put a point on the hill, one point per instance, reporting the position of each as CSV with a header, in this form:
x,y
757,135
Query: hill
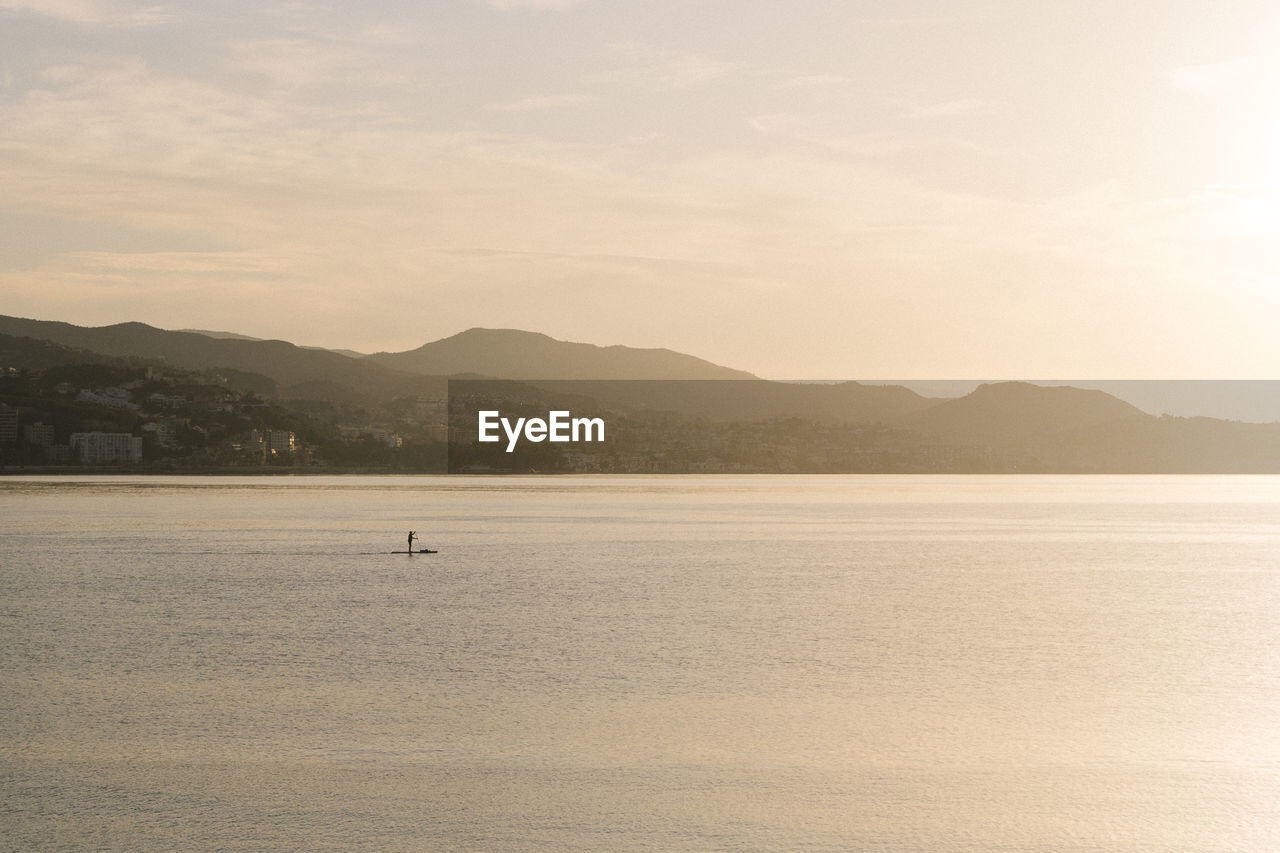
x,y
297,371
515,354
1252,400
345,409
1072,430
25,353
336,375
236,336
1016,413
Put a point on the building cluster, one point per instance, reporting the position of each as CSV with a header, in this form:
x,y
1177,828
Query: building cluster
x,y
87,448
172,421
111,398
108,415
271,446
424,418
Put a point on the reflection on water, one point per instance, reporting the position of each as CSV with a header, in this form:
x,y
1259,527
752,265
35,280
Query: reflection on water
x,y
876,663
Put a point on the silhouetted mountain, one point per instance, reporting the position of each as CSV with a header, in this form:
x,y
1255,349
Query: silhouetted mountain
x,y
28,352
301,371
1008,426
235,336
222,336
1014,413
1065,429
513,354
1252,400
286,364
1172,445
1255,401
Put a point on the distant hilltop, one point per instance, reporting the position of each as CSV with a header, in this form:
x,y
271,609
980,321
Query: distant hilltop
x,y
498,353
516,354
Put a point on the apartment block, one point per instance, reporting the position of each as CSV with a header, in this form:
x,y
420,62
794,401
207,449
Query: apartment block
x,y
8,424
104,448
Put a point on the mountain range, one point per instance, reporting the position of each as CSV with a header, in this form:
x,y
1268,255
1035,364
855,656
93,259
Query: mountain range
x,y
1057,426
505,353
515,354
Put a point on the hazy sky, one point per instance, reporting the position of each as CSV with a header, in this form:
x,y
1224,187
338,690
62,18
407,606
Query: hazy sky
x,y
800,188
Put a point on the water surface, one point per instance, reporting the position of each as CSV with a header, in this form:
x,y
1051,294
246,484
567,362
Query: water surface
x,y
645,663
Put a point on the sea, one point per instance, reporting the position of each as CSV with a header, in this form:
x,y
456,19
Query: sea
x,y
828,663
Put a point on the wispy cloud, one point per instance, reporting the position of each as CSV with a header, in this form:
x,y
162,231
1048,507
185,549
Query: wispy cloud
x,y
809,81
537,103
509,5
825,131
183,263
666,69
92,12
687,71
292,63
963,106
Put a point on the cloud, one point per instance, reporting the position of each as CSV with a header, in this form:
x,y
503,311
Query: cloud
x,y
536,103
807,81
292,63
510,5
825,130
92,12
963,106
685,72
133,264
665,69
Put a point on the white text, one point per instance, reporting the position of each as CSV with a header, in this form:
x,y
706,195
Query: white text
x,y
558,426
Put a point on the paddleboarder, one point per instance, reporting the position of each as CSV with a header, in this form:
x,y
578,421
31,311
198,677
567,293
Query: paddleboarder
x,y
412,535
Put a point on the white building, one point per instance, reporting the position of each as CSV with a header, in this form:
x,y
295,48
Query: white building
x,y
272,441
281,441
99,448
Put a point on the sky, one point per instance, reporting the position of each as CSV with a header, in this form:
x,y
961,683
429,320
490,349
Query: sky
x,y
811,189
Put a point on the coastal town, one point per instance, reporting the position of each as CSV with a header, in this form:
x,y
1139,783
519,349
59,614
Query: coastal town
x,y
285,409
104,416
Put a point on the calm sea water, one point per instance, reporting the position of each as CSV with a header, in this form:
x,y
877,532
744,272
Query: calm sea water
x,y
774,663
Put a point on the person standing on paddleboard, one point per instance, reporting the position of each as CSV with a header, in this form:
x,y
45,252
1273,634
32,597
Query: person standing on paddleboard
x,y
412,535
